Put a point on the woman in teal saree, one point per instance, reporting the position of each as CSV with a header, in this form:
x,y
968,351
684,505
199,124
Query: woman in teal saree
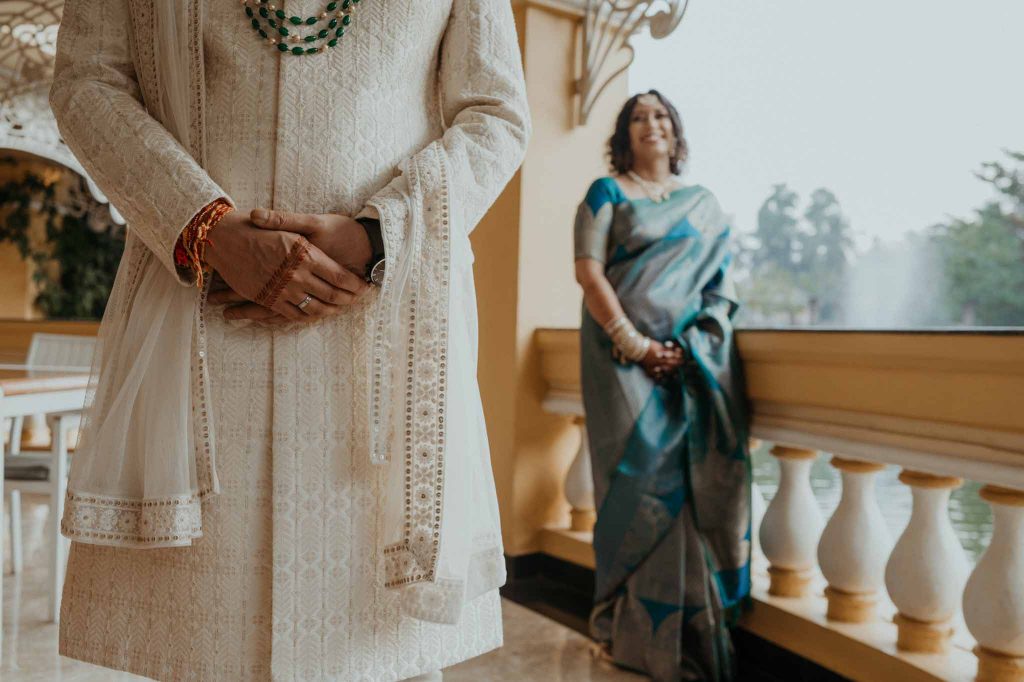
x,y
666,409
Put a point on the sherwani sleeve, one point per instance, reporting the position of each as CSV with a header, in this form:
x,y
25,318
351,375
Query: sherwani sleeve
x,y
483,98
152,180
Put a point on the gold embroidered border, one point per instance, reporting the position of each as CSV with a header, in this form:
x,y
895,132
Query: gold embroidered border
x,y
443,600
172,521
414,558
132,523
202,426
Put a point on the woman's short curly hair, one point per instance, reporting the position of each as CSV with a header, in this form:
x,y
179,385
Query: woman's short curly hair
x,y
620,151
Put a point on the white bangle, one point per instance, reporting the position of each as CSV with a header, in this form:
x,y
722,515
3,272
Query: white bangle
x,y
617,323
632,344
640,344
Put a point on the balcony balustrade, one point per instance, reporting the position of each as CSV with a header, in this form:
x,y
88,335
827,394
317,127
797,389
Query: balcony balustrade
x,y
842,592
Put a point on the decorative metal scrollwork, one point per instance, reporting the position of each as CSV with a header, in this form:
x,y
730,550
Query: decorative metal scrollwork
x,y
28,43
608,28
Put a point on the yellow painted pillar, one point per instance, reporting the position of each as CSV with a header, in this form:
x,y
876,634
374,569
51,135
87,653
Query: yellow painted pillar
x,y
525,277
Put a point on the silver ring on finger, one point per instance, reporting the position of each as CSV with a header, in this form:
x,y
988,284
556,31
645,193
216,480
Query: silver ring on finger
x,y
301,305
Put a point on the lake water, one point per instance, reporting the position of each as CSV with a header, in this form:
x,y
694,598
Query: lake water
x,y
971,516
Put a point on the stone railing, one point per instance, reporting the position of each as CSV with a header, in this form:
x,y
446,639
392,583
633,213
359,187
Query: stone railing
x,y
842,591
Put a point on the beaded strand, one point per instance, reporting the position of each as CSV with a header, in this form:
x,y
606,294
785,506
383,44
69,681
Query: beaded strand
x,y
337,14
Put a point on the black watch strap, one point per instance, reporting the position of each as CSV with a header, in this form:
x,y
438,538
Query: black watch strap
x,y
375,267
372,227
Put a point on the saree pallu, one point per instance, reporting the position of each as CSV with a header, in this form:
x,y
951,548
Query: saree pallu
x,y
671,463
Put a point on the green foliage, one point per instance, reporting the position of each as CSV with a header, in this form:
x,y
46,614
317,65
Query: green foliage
x,y
825,247
75,265
964,272
983,257
796,267
777,232
772,296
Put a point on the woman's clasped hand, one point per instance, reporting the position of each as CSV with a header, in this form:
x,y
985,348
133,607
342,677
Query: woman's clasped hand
x,y
663,360
279,267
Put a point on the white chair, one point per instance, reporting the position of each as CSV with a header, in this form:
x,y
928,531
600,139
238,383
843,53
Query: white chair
x,y
45,472
52,352
46,475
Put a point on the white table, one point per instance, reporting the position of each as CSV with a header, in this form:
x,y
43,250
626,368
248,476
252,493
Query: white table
x,y
27,392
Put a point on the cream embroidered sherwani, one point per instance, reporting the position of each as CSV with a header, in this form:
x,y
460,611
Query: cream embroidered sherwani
x,y
284,579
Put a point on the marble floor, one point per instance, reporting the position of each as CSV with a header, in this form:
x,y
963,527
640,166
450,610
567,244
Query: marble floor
x,y
536,649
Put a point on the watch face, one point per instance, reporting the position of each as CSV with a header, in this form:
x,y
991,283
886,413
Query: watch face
x,y
377,273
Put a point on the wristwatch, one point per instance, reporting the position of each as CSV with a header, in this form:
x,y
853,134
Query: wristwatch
x,y
375,267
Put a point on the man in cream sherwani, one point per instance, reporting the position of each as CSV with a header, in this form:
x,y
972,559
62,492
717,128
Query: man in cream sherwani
x,y
276,496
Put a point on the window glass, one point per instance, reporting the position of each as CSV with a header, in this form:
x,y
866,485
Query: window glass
x,y
871,154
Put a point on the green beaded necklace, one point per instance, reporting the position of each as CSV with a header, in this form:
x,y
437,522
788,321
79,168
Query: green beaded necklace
x,y
337,15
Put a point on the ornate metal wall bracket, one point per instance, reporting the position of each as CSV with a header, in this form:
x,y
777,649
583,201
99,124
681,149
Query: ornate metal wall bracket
x,y
28,41
608,28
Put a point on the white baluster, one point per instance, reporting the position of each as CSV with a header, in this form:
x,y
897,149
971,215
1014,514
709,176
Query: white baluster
x,y
757,509
579,484
791,524
927,568
994,595
854,545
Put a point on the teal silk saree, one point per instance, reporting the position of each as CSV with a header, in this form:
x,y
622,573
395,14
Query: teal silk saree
x,y
670,461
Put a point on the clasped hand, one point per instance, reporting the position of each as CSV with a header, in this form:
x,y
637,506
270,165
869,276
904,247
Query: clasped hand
x,y
663,360
279,259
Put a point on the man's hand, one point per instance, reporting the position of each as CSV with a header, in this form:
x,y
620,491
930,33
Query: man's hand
x,y
338,236
247,258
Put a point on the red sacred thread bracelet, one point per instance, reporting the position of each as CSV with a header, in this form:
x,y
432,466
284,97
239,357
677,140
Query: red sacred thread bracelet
x,y
190,249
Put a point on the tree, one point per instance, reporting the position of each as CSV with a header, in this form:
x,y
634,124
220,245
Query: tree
x,y
983,257
826,248
771,296
795,270
777,235
769,292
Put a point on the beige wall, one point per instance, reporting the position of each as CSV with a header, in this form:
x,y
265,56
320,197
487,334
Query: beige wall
x,y
525,276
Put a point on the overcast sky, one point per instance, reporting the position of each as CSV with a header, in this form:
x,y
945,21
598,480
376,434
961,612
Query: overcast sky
x,y
891,105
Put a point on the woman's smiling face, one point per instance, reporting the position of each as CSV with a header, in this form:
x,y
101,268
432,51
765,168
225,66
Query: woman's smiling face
x,y
650,129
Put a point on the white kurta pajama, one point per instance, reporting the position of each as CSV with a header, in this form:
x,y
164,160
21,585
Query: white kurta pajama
x,y
294,553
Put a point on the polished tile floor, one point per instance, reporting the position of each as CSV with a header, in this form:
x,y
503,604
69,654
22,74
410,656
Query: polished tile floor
x,y
536,649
